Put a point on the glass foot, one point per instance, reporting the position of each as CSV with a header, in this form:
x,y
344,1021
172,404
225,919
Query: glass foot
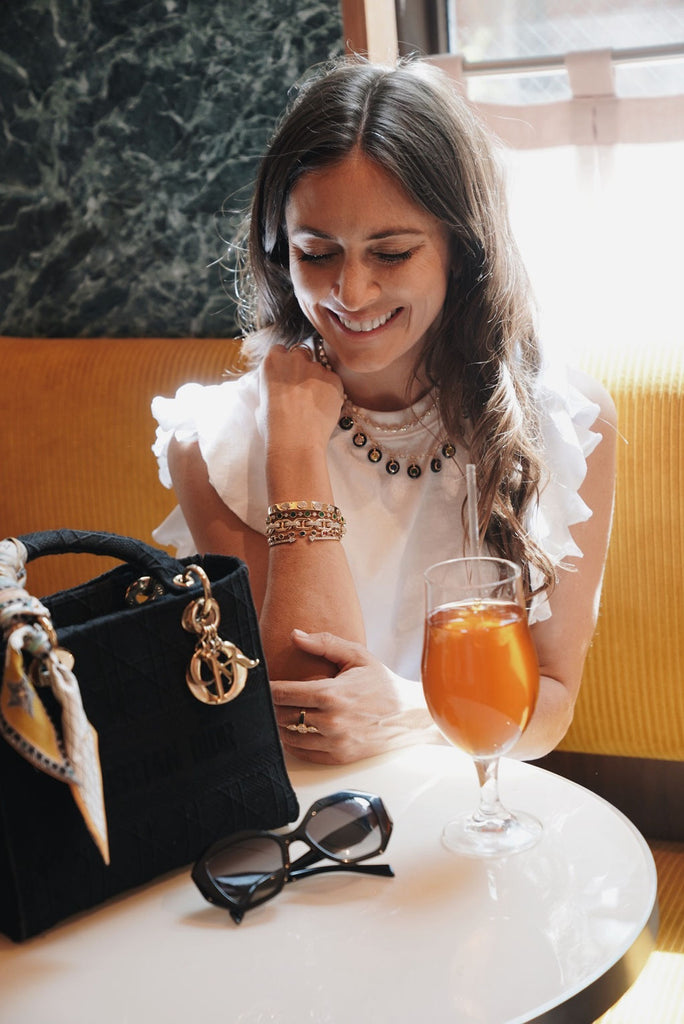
x,y
474,836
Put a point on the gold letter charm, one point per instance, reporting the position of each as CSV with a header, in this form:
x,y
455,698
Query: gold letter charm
x,y
218,669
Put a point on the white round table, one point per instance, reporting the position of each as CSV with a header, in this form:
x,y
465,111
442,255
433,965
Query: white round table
x,y
554,934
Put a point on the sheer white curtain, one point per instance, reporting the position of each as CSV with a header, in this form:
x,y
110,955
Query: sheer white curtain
x,y
597,201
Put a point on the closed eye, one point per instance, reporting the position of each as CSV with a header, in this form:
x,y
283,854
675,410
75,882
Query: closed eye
x,y
383,257
314,257
395,257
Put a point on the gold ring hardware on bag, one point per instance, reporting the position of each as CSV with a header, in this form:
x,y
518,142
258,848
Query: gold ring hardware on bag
x,y
37,669
218,669
144,589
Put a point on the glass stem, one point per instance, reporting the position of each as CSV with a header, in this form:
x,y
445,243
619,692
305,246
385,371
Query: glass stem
x,y
491,809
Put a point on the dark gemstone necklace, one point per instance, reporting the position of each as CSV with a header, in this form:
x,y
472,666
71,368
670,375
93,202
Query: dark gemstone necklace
x,y
366,432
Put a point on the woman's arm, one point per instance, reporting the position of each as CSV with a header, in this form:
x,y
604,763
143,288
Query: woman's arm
x,y
305,585
309,584
214,527
563,641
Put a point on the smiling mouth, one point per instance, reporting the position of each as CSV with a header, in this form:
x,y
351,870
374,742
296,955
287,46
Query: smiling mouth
x,y
364,326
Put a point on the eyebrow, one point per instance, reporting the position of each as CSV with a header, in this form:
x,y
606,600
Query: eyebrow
x,y
377,236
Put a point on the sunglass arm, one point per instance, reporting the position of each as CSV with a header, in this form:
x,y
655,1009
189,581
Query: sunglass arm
x,y
384,870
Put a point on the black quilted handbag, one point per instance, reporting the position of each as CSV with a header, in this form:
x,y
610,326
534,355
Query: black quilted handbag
x,y
172,677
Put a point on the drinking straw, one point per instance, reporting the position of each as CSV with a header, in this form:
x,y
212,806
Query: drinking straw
x,y
473,529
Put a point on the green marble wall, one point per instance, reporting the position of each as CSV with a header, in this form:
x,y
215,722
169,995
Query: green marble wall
x,y
130,132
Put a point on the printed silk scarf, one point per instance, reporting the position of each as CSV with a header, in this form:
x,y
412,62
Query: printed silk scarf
x,y
34,660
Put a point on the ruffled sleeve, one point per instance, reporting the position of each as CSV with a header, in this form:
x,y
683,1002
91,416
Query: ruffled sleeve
x,y
223,419
567,418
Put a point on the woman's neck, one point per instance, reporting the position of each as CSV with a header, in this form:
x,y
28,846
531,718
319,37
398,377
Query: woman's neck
x,y
389,389
380,396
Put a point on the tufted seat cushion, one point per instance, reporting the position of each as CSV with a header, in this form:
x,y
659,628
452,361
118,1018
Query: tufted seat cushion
x,y
77,434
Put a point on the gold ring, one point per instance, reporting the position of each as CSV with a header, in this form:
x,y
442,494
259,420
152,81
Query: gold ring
x,y
301,725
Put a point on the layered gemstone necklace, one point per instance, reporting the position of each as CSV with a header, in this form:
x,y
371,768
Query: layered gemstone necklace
x,y
367,434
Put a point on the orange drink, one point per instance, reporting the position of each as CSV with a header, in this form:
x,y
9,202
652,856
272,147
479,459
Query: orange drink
x,y
480,674
481,680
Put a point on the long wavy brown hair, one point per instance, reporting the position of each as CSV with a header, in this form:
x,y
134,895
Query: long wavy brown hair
x,y
483,356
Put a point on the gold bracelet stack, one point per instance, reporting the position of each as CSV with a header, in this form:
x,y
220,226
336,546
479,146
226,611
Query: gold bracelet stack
x,y
288,521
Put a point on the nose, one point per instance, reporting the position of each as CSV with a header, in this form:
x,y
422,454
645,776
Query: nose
x,y
355,286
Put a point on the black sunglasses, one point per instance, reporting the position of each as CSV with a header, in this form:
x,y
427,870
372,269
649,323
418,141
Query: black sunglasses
x,y
248,868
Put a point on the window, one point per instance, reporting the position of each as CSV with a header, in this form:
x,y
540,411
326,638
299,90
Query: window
x,y
588,99
642,34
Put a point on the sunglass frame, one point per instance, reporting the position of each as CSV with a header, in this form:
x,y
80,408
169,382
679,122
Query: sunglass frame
x,y
214,894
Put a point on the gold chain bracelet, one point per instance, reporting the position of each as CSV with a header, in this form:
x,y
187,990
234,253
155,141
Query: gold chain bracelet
x,y
288,521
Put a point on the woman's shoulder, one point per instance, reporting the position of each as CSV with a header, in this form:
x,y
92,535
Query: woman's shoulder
x,y
220,417
565,392
594,391
579,435
194,399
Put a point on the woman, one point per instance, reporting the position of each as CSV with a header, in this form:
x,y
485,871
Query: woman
x,y
391,328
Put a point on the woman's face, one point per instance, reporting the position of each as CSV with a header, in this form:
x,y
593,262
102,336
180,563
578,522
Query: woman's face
x,y
369,270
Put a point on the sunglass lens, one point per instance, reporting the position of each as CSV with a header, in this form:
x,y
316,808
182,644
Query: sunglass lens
x,y
346,830
248,871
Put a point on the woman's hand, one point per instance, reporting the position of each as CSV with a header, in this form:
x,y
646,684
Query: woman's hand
x,y
303,400
364,710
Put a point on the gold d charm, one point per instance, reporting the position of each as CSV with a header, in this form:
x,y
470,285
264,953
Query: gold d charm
x,y
218,669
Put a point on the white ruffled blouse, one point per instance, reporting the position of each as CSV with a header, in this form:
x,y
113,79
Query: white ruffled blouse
x,y
396,526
